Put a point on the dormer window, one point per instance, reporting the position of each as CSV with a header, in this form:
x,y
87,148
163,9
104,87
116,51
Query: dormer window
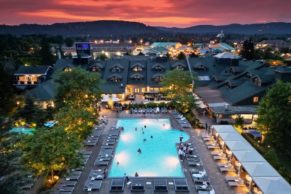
x,y
180,66
115,78
257,81
137,67
96,67
116,68
137,76
158,67
158,78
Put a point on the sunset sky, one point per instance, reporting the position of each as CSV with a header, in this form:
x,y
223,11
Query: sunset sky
x,y
180,13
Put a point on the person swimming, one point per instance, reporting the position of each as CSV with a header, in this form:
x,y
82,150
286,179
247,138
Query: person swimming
x,y
135,129
117,163
144,139
145,126
139,150
136,175
152,136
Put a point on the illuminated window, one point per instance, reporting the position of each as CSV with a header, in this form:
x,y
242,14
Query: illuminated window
x,y
255,99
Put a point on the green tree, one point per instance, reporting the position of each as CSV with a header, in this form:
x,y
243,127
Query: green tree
x,y
7,92
79,89
239,121
274,115
248,50
50,151
69,42
102,57
47,57
178,87
31,113
78,121
181,56
11,171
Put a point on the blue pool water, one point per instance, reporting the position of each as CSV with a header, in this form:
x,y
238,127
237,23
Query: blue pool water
x,y
22,130
159,157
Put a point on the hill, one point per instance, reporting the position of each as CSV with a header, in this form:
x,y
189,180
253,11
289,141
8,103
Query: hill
x,y
125,28
279,28
96,29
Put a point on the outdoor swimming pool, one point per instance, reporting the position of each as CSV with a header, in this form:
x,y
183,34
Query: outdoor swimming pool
x,y
23,130
158,157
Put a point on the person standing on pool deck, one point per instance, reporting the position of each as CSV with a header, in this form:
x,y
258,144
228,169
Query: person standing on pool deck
x,y
136,175
181,139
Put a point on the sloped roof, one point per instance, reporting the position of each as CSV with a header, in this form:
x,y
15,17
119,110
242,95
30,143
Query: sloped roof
x,y
241,92
32,70
163,44
44,91
283,69
226,55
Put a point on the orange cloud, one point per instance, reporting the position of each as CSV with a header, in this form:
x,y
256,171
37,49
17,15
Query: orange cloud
x,y
153,12
169,21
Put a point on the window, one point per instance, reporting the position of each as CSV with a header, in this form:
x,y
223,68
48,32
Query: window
x,y
255,99
137,69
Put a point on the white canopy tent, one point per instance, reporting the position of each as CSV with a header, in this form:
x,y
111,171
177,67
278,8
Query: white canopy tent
x,y
230,136
245,156
273,185
237,145
262,173
260,169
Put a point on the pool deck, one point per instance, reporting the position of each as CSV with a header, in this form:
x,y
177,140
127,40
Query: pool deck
x,y
216,178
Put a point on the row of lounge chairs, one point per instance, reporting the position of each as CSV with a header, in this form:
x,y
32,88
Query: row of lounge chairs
x,y
95,178
198,173
67,184
92,139
222,162
27,181
162,110
139,184
181,119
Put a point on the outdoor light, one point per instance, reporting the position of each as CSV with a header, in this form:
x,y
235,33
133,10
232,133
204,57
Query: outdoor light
x,y
248,178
